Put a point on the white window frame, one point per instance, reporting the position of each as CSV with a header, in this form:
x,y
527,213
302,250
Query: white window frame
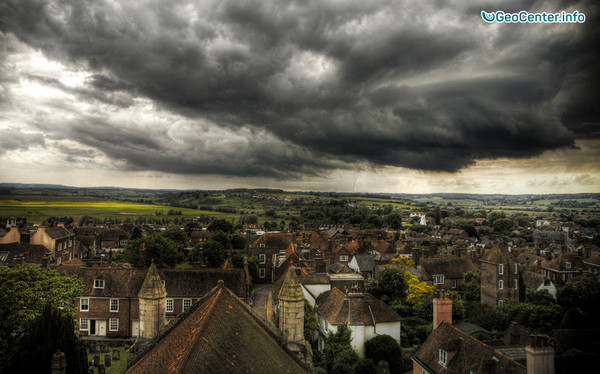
x,y
261,272
84,324
443,357
500,269
500,302
86,304
500,284
261,245
516,269
438,279
262,258
112,304
169,305
344,258
567,265
516,282
185,307
454,283
99,283
115,322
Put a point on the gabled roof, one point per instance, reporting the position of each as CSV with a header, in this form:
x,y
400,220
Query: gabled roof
x,y
355,309
58,232
32,253
274,240
365,262
465,354
451,267
218,334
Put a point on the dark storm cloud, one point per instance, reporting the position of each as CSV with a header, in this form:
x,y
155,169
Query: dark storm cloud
x,y
12,139
387,83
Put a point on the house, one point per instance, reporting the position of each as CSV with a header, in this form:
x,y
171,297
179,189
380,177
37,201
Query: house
x,y
199,236
24,254
218,334
365,315
444,272
110,303
537,282
365,265
59,240
449,350
267,248
563,268
112,238
499,276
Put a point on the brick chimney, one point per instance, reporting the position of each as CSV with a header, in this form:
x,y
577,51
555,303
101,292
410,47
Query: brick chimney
x,y
442,310
540,356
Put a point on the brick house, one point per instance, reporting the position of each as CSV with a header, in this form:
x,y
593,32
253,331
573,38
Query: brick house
x,y
59,240
445,272
268,248
499,276
109,305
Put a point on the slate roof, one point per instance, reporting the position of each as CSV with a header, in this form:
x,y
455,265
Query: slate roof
x,y
338,268
365,262
465,354
559,263
218,334
451,267
355,309
531,279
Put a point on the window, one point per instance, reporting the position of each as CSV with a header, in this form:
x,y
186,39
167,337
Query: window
x,y
453,283
443,357
84,304
516,269
500,302
169,306
98,283
114,305
500,269
500,284
84,324
187,303
438,279
344,258
114,324
262,258
261,273
274,259
568,265
516,282
164,283
261,245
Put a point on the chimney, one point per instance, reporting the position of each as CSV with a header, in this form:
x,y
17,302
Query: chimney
x,y
540,356
442,310
45,261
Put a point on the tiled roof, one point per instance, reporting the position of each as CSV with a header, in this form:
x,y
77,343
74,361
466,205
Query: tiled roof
x,y
497,255
218,334
122,282
451,267
274,240
356,309
465,354
532,280
33,253
58,232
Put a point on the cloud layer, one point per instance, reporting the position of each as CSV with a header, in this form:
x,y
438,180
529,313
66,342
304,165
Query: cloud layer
x,y
290,88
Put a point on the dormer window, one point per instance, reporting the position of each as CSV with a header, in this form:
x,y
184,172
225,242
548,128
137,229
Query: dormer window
x,y
98,283
438,279
443,357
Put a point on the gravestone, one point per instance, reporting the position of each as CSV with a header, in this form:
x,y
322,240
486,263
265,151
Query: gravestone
x,y
116,356
96,360
101,369
107,360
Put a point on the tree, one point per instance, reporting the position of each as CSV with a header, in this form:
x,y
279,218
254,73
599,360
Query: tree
x,y
471,286
394,220
310,322
581,301
437,215
391,282
25,292
385,348
162,250
221,225
53,330
214,253
339,357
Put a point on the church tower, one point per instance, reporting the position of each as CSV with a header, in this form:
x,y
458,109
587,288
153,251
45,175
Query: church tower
x,y
152,304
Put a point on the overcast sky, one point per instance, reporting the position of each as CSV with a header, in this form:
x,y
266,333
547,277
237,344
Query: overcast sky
x,y
370,96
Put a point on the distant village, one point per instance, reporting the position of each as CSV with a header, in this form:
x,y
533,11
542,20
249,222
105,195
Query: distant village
x,y
424,297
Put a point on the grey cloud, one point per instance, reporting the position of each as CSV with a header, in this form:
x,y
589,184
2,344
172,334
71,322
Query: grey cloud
x,y
12,139
325,82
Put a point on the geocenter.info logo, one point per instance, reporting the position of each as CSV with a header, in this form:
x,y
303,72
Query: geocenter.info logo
x,y
526,17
